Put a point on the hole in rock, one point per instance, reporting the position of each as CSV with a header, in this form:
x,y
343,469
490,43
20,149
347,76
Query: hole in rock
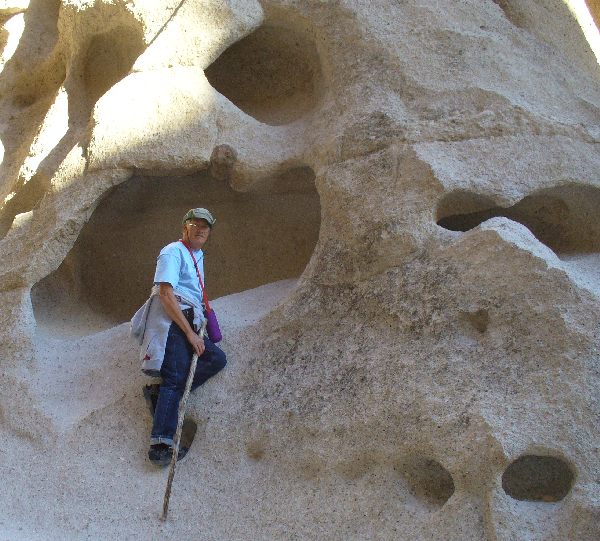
x,y
538,478
428,480
565,218
478,319
260,237
273,74
188,433
109,57
511,12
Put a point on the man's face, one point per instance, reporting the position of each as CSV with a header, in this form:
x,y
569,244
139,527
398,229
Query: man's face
x,y
196,233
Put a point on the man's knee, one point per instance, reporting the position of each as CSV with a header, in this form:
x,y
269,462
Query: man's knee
x,y
219,359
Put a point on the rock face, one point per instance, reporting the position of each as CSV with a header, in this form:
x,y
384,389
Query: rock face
x,y
407,252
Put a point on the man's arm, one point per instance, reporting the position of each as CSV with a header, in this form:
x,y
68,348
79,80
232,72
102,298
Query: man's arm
x,y
173,310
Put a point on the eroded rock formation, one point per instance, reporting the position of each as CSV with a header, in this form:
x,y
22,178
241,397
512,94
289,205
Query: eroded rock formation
x,y
407,253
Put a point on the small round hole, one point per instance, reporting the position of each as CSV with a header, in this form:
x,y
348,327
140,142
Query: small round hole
x,y
538,478
428,480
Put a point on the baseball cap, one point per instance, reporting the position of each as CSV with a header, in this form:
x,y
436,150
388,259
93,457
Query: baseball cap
x,y
199,214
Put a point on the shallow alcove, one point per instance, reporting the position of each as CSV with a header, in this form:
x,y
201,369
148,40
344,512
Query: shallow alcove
x,y
109,57
538,478
259,237
273,74
428,480
565,218
478,320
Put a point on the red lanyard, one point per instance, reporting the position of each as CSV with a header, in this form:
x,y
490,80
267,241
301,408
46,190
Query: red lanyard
x,y
206,305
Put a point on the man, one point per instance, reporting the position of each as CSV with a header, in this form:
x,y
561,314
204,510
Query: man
x,y
167,330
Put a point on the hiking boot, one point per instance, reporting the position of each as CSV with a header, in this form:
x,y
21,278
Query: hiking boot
x,y
160,454
151,396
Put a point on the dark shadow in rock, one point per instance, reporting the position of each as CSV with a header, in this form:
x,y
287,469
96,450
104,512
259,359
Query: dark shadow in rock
x,y
564,218
478,319
273,74
512,12
429,481
109,57
188,433
538,478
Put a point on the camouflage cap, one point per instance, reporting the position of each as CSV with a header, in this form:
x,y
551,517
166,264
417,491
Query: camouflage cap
x,y
199,214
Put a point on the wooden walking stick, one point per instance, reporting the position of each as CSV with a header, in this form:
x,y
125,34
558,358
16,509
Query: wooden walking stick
x,y
181,415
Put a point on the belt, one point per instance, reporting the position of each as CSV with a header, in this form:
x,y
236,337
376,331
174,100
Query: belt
x,y
189,315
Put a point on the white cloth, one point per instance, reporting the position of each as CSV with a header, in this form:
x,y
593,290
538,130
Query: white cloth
x,y
150,328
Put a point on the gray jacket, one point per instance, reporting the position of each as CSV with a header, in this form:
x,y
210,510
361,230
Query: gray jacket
x,y
150,329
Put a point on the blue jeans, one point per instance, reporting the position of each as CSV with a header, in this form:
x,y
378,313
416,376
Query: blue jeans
x,y
174,372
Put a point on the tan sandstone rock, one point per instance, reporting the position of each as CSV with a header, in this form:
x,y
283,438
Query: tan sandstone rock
x,y
405,266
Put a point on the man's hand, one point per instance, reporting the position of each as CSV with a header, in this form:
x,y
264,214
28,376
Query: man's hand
x,y
197,343
171,306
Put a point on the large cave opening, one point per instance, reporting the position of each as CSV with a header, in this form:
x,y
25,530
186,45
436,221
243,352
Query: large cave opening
x,y
260,237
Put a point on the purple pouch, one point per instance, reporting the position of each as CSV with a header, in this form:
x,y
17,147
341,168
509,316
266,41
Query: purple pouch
x,y
212,326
